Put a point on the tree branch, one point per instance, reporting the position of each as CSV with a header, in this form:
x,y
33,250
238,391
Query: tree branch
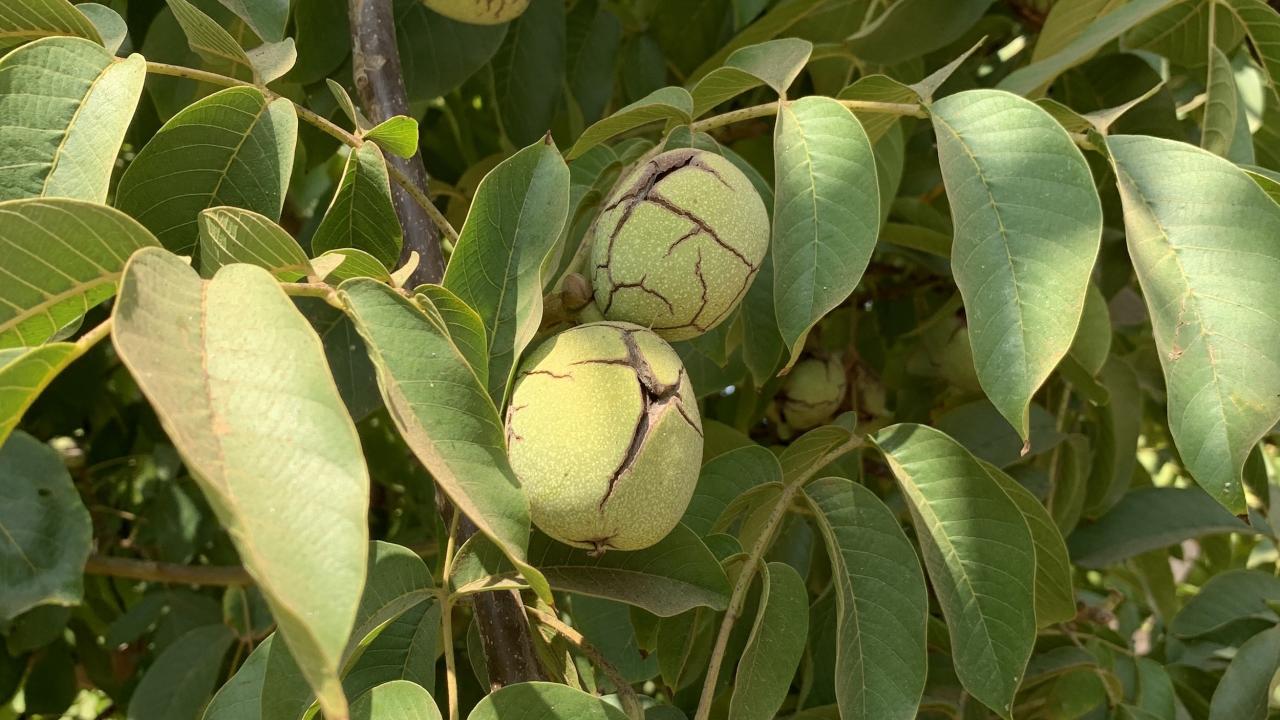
x,y
380,84
167,572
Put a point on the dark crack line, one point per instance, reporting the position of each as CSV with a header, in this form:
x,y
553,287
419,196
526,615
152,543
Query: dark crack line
x,y
674,209
615,287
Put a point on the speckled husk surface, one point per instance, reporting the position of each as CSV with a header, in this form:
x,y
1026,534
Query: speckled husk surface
x,y
604,434
813,392
676,248
479,12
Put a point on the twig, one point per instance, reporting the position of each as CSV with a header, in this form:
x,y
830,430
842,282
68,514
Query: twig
x,y
446,623
320,123
626,693
380,83
213,575
757,111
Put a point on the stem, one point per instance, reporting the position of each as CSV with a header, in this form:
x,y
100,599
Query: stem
x,y
93,337
149,571
320,123
446,622
756,111
375,60
752,564
627,694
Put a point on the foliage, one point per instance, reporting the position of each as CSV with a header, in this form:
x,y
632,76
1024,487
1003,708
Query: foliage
x,y
1023,261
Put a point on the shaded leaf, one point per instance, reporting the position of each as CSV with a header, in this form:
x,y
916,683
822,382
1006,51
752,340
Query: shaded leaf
x,y
1225,598
247,398
230,235
881,603
438,54
1213,297
239,698
110,25
669,104
676,574
217,47
1149,519
58,259
444,414
515,218
45,530
826,213
396,700
361,214
267,18
180,681
463,324
1245,690
230,148
723,479
774,648
1220,105
543,701
979,554
911,28
775,63
65,104
529,70
1028,226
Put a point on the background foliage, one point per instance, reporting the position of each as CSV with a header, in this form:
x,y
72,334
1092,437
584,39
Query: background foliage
x,y
1037,240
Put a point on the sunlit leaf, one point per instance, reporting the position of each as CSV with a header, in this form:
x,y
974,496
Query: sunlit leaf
x,y
361,214
245,395
671,104
543,701
775,63
22,21
65,104
774,648
231,235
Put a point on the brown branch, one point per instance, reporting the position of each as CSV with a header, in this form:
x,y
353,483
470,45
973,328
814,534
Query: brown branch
x,y
380,85
167,572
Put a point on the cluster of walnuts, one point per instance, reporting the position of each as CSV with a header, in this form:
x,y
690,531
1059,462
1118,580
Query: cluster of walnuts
x,y
603,428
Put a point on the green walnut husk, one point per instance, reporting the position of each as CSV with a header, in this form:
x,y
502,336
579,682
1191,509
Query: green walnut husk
x,y
676,248
604,434
479,12
813,392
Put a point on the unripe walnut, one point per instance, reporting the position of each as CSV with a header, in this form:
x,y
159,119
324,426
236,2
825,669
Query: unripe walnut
x,y
677,246
603,433
813,392
479,12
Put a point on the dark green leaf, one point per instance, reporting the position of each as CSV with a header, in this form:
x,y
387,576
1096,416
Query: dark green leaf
x,y
1149,519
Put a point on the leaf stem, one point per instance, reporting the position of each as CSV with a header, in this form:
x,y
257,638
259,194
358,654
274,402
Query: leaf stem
x,y
93,337
146,570
321,123
626,694
756,111
752,564
446,621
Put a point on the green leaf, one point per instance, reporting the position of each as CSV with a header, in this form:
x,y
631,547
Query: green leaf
x,y
543,701
1226,598
110,25
22,21
879,88
516,216
397,135
774,648
607,625
65,104
817,448
1104,28
912,28
980,428
406,649
1214,300
343,264
238,699
267,18
668,104
775,63
230,148
723,479
1262,25
980,556
781,17
826,213
1116,442
881,603
1220,105
444,414
1092,343
529,71
217,47
25,373
396,700
361,214
58,259
180,681
1028,226
230,235
463,324
1245,690
45,528
1149,519
438,54
677,574
1181,32
233,371
1065,22
1055,598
